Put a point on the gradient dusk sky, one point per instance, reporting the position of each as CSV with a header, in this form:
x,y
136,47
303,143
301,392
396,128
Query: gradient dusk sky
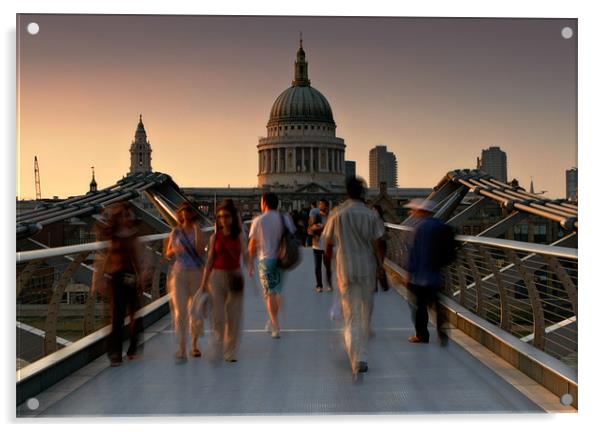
x,y
435,91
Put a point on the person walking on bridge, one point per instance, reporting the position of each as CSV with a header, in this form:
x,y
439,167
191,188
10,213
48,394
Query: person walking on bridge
x,y
224,279
265,236
355,231
317,221
122,274
423,269
185,243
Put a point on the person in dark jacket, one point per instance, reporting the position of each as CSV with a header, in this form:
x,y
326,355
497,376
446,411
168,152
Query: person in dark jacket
x,y
423,266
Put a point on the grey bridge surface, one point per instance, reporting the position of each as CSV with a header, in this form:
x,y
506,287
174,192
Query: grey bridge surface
x,y
304,372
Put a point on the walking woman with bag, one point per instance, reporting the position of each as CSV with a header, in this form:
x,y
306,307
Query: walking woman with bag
x,y
185,243
223,279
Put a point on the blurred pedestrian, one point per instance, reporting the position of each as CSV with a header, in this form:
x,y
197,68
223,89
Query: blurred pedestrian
x,y
317,221
301,228
423,266
265,237
355,231
126,275
313,212
185,244
381,275
224,280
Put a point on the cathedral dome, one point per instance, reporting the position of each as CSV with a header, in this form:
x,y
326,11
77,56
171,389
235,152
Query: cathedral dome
x,y
301,103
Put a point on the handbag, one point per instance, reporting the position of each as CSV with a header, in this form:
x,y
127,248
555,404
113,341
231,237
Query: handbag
x,y
235,281
288,254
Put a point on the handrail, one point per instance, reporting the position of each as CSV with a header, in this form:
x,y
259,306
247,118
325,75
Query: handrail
x,y
27,256
557,251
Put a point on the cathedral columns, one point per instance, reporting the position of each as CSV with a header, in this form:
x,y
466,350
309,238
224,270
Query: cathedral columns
x,y
336,160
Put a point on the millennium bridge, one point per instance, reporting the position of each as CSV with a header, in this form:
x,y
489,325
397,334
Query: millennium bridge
x,y
511,308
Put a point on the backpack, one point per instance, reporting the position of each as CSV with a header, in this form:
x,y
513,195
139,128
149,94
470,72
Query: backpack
x,y
446,245
288,255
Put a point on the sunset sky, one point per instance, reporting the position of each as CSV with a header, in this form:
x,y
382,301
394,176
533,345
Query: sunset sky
x,y
434,91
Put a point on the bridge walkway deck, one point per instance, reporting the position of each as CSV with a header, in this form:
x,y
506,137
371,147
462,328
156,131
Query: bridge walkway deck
x,y
306,371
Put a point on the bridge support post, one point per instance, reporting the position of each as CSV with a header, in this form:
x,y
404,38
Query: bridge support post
x,y
565,279
462,278
504,310
534,299
477,283
26,274
58,290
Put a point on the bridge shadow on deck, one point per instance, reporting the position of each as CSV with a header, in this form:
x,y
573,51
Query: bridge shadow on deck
x,y
304,372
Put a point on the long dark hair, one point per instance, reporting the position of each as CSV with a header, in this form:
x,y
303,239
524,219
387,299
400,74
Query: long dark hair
x,y
228,206
179,212
108,225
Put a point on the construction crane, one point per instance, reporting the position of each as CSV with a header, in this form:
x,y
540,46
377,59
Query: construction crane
x,y
36,172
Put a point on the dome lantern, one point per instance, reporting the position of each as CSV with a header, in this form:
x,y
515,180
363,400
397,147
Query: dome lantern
x,y
301,76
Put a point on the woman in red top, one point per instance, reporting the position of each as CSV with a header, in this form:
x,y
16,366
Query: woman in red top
x,y
223,275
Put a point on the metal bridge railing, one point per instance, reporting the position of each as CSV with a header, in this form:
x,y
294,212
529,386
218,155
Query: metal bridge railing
x,y
528,290
54,300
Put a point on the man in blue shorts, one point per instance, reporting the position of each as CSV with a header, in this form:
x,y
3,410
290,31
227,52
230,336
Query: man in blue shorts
x,y
264,240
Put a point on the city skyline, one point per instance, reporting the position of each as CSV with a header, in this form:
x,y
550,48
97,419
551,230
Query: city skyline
x,y
408,83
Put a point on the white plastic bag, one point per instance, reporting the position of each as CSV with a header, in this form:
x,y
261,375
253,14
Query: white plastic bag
x,y
336,312
200,308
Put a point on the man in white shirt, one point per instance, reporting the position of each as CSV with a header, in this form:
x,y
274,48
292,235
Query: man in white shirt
x,y
264,240
355,230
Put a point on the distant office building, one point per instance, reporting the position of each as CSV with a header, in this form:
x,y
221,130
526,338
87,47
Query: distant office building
x,y
493,161
383,167
350,169
571,184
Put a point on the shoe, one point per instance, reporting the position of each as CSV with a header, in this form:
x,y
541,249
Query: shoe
x,y
443,340
195,352
116,363
416,339
329,288
268,326
230,360
362,367
318,289
181,358
133,356
276,334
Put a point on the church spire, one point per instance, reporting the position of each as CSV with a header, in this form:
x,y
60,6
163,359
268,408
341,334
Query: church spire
x,y
93,185
301,77
140,151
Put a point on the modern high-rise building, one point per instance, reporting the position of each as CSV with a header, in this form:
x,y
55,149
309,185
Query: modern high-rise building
x,y
140,151
349,169
493,162
571,184
383,167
